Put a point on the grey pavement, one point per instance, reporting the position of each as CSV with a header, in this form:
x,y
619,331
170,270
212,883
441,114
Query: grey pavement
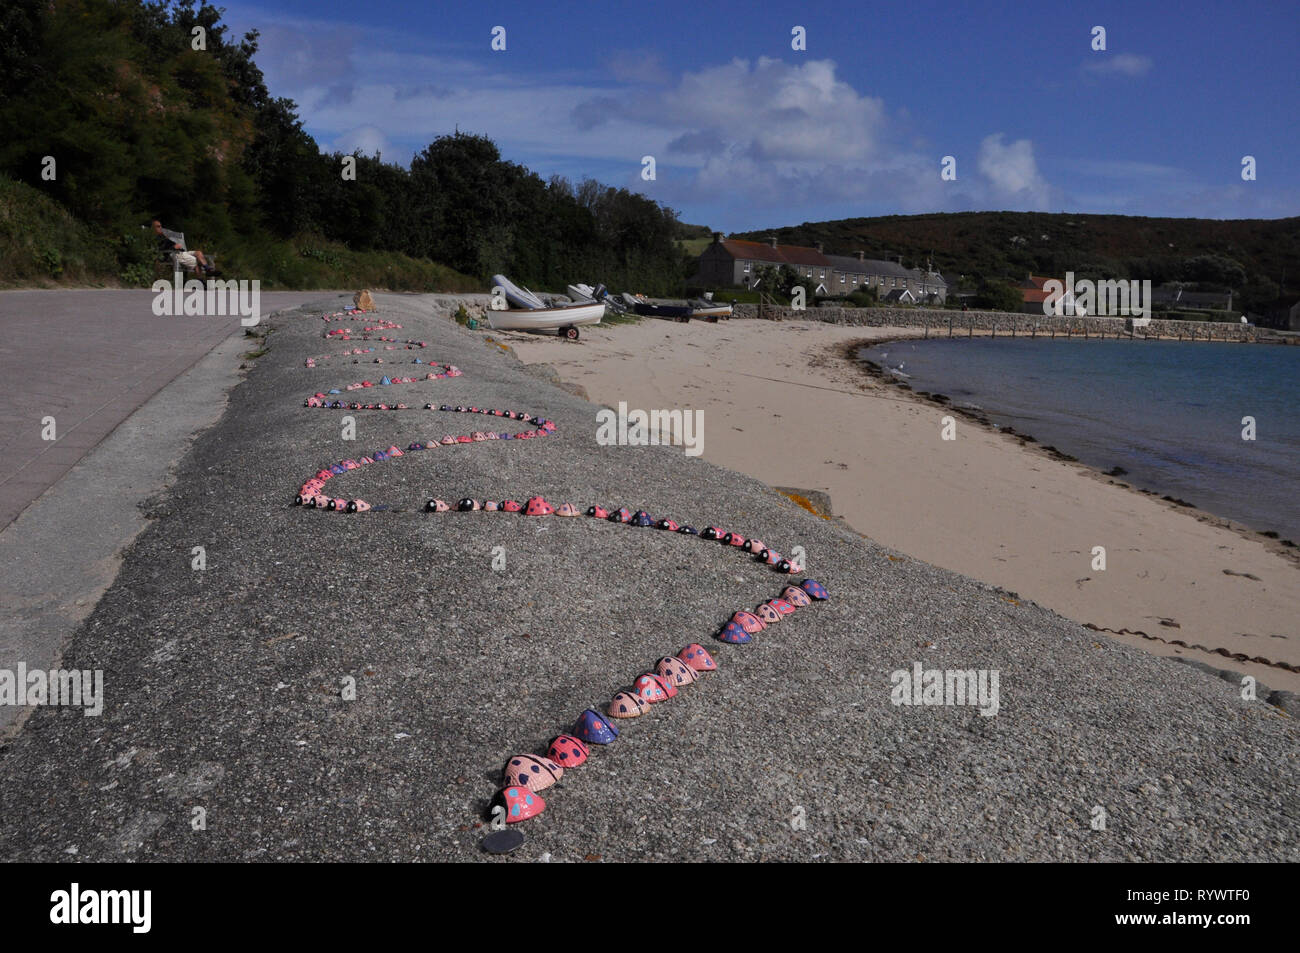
x,y
89,359
225,696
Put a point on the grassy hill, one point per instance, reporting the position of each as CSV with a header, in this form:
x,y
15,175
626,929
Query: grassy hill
x,y
1010,245
42,244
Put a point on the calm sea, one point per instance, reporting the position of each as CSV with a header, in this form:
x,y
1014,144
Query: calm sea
x,y
1169,413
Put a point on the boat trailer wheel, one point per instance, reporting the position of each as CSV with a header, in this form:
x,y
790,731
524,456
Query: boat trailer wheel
x,y
571,332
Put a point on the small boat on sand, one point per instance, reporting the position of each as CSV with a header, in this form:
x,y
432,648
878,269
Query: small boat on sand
x,y
709,310
671,312
530,313
517,297
564,320
696,308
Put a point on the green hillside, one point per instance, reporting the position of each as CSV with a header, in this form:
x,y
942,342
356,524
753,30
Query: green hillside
x,y
1252,256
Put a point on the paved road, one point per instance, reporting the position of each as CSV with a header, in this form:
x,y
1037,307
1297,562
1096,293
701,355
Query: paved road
x,y
89,359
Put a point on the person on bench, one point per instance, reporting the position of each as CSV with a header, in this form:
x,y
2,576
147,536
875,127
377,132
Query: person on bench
x,y
190,261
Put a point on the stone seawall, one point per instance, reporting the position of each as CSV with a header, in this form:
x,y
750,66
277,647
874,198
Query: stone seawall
x,y
1003,322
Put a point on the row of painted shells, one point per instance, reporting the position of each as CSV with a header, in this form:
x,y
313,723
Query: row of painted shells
x,y
451,370
345,334
350,314
525,775
309,494
409,345
537,506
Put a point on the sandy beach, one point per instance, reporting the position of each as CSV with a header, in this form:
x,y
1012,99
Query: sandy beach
x,y
783,404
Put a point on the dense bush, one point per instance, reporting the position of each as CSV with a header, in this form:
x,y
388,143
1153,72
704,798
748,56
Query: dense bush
x,y
999,296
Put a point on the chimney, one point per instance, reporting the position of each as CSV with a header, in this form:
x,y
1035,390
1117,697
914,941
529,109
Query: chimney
x,y
717,238
771,240
862,256
820,250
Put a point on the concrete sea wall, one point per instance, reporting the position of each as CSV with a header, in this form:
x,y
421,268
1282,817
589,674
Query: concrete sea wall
x,y
942,323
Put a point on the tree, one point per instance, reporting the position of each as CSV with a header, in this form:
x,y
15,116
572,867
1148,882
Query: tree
x,y
1000,296
778,281
1214,270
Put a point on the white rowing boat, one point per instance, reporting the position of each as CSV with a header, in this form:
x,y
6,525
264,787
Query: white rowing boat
x,y
519,297
565,320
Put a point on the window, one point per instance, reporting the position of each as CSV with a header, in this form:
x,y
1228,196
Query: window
x,y
821,273
746,267
842,277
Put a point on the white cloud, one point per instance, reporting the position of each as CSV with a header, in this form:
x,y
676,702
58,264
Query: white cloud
x,y
749,134
363,140
769,109
1118,64
1012,172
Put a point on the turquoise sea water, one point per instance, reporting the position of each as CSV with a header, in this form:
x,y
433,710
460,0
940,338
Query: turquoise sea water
x,y
1170,413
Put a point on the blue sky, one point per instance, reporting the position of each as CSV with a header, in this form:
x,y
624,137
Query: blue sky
x,y
748,133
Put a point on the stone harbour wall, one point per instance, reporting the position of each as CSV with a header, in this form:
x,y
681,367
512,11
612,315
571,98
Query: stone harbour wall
x,y
1002,322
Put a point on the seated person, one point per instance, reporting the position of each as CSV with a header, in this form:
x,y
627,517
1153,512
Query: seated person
x,y
190,261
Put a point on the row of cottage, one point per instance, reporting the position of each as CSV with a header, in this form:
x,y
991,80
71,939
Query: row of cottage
x,y
733,263
730,263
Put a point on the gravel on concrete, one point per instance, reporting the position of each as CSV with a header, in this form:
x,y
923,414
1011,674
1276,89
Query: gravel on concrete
x,y
224,686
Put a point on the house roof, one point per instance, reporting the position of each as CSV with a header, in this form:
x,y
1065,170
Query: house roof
x,y
851,266
873,266
801,255
780,255
755,251
1034,293
889,268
